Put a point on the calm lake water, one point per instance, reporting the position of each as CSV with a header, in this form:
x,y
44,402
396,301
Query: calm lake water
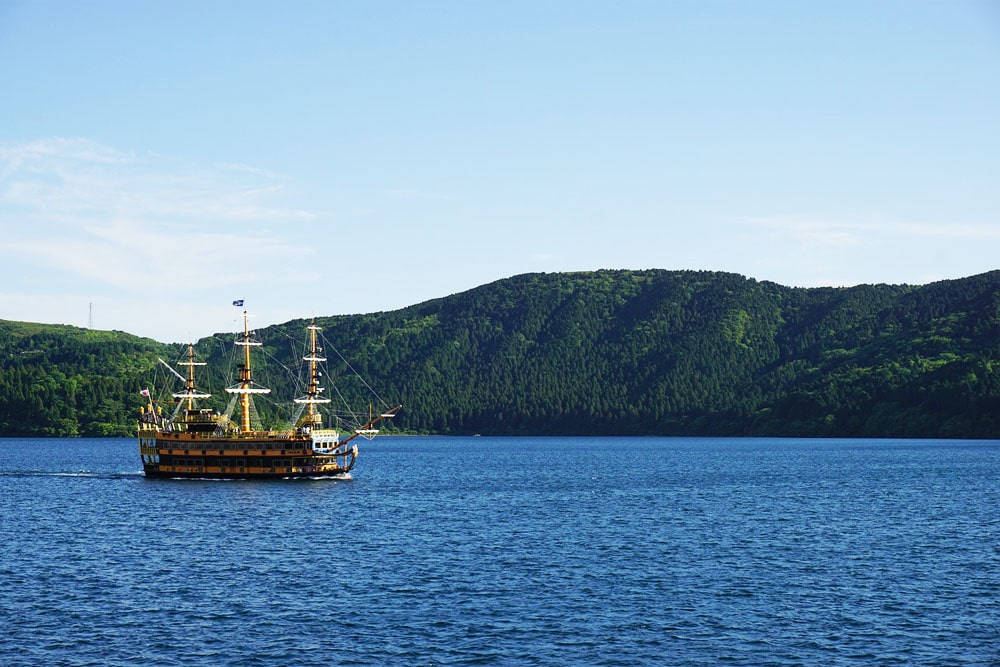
x,y
510,551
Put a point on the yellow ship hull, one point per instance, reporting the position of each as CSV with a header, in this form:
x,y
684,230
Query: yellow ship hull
x,y
261,455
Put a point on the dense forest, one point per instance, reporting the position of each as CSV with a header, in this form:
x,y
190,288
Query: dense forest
x,y
648,352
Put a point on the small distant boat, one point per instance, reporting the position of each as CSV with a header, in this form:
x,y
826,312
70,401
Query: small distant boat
x,y
203,443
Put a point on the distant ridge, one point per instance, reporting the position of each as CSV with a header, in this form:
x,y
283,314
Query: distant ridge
x,y
623,352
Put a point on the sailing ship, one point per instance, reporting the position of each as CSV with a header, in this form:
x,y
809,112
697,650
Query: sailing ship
x,y
203,443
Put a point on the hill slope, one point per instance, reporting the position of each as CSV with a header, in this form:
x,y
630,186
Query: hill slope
x,y
607,352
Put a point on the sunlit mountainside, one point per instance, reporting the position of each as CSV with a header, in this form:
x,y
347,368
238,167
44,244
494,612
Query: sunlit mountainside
x,y
650,352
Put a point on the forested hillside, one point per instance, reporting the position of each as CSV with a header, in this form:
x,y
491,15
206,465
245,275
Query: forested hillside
x,y
603,353
66,381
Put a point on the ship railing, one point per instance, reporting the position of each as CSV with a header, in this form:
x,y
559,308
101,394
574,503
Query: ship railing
x,y
282,434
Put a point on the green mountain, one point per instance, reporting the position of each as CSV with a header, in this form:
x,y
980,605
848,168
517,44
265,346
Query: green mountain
x,y
603,353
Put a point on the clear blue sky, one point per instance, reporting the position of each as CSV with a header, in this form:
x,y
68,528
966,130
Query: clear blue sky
x,y
160,159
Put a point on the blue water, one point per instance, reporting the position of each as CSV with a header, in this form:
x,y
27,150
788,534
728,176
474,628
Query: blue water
x,y
510,551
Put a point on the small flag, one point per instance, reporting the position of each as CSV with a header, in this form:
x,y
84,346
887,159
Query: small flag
x,y
238,302
144,392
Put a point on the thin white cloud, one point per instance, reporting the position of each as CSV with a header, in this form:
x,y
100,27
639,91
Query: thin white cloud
x,y
52,151
970,231
78,207
825,251
852,232
81,176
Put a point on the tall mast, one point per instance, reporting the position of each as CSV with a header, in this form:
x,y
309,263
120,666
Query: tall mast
x,y
245,387
190,393
313,390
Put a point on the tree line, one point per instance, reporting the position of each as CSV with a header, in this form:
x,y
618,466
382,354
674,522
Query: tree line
x,y
625,352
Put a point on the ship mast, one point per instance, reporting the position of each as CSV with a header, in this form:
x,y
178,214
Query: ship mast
x,y
245,387
190,393
312,399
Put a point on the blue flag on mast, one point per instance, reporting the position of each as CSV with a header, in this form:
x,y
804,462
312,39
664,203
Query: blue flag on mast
x,y
238,302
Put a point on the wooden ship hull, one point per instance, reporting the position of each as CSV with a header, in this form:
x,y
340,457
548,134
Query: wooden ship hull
x,y
182,455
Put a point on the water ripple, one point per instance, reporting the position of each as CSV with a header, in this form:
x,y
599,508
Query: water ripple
x,y
694,552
